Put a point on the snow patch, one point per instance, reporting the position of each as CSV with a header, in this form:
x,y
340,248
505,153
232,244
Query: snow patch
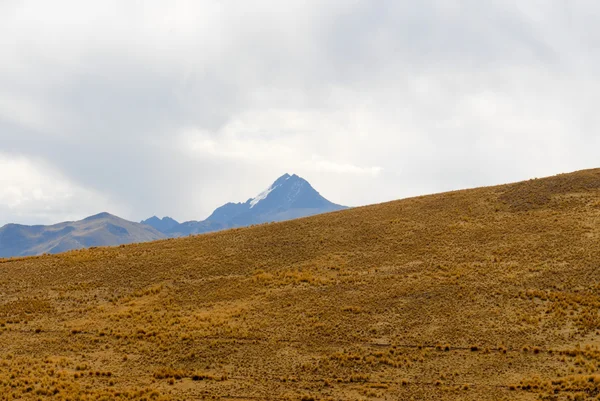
x,y
263,195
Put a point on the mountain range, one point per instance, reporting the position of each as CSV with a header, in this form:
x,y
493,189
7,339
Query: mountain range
x,y
289,197
102,229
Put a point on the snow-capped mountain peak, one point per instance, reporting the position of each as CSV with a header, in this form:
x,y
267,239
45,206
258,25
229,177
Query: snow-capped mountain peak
x,y
263,195
289,197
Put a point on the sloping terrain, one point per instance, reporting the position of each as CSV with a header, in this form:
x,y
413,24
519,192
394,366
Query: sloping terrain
x,y
483,294
289,197
102,229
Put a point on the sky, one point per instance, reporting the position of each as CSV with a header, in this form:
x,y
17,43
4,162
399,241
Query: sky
x,y
144,108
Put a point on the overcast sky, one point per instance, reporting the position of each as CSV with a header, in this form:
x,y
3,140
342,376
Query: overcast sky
x,y
174,108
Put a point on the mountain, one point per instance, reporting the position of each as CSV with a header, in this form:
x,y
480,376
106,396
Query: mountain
x,y
163,225
102,229
289,197
483,294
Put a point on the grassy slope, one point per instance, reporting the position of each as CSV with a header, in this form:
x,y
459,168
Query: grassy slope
x,y
490,293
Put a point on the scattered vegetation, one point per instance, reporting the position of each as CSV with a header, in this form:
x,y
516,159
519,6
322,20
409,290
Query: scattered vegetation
x,y
490,293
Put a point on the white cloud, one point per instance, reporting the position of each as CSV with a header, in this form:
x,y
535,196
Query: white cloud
x,y
28,113
326,166
34,193
176,108
285,138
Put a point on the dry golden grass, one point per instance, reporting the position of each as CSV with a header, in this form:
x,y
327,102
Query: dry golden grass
x,y
491,293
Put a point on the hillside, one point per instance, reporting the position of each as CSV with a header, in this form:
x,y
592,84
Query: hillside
x,y
102,229
483,294
289,197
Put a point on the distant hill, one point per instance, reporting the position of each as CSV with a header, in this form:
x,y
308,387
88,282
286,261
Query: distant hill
x,y
163,225
289,197
102,229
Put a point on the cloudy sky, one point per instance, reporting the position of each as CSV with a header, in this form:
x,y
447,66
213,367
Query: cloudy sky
x,y
174,108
